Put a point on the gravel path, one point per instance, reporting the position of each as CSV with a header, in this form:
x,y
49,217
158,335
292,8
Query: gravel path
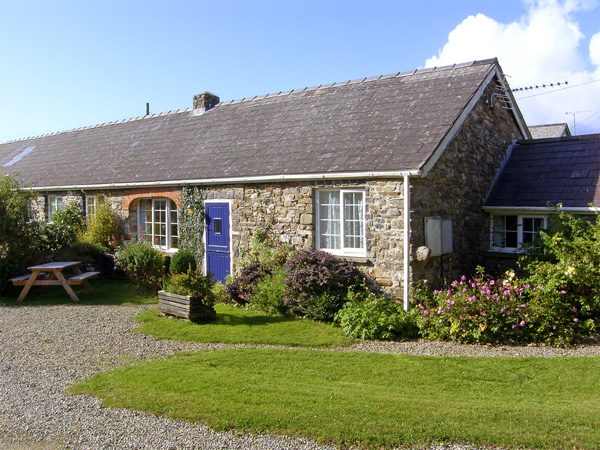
x,y
45,349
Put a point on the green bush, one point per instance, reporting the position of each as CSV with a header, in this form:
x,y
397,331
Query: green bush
x,y
266,251
269,293
369,316
66,224
241,289
219,292
19,234
190,283
105,228
183,261
480,310
191,222
142,263
564,266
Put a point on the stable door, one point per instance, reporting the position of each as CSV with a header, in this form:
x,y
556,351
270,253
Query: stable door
x,y
218,242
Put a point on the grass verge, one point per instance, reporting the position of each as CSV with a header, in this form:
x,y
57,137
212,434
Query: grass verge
x,y
239,326
106,292
372,400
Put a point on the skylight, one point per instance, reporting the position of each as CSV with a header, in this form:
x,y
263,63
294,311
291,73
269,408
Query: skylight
x,y
19,157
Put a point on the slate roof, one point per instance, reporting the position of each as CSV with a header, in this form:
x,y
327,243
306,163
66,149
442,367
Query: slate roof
x,y
549,131
544,172
387,123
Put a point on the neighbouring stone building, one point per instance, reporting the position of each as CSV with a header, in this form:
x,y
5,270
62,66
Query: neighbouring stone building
x,y
391,172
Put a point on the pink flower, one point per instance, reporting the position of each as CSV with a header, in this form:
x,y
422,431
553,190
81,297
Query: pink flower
x,y
483,313
563,292
522,324
574,309
575,320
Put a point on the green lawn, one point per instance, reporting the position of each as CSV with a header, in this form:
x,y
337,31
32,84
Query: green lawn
x,y
106,292
372,399
239,326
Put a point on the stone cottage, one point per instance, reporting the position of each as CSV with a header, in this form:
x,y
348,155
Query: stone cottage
x,y
391,172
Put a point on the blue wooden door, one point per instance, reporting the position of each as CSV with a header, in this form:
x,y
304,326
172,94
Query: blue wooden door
x,y
218,247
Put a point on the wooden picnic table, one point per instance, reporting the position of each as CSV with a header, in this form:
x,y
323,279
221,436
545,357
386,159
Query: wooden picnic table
x,y
51,274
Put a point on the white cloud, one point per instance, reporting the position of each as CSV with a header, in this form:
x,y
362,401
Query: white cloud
x,y
545,46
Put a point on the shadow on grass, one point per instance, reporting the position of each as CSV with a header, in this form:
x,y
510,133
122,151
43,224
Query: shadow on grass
x,y
242,319
106,292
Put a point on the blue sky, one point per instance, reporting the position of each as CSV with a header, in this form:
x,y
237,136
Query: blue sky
x,y
66,64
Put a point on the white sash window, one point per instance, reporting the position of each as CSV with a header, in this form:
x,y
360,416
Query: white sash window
x,y
341,222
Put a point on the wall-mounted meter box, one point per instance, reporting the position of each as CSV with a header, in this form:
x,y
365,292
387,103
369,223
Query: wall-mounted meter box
x,y
438,235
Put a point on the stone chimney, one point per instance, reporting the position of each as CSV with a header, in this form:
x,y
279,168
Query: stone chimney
x,y
204,102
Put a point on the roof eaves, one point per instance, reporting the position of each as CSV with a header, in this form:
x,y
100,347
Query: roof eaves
x,y
237,180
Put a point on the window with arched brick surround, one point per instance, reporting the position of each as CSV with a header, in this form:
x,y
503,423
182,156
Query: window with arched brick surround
x,y
156,214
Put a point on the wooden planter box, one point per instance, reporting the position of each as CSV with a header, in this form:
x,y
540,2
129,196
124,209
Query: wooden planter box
x,y
184,306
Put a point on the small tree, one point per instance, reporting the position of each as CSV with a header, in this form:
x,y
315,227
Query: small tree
x,y
563,264
19,233
66,224
105,228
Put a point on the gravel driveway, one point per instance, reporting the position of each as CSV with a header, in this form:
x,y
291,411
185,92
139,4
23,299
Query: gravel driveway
x,y
44,349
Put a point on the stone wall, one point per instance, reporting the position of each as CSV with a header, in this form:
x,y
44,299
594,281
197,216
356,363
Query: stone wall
x,y
457,187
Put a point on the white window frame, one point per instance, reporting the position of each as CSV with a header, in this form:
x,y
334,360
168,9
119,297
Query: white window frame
x,y
90,206
55,203
154,236
520,233
342,251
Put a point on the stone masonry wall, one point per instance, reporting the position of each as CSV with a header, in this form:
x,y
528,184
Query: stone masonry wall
x,y
457,187
289,208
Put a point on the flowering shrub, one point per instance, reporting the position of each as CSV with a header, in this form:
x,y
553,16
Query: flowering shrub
x,y
564,263
371,316
269,293
480,310
190,283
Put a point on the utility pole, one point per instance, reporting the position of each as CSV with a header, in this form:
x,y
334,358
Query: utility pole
x,y
574,113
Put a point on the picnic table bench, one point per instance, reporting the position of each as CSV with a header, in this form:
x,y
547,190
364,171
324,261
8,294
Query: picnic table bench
x,y
51,274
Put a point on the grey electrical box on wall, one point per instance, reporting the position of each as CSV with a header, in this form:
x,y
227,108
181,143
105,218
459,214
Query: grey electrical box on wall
x,y
438,235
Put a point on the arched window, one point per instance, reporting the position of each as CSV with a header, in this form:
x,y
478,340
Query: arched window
x,y
157,223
